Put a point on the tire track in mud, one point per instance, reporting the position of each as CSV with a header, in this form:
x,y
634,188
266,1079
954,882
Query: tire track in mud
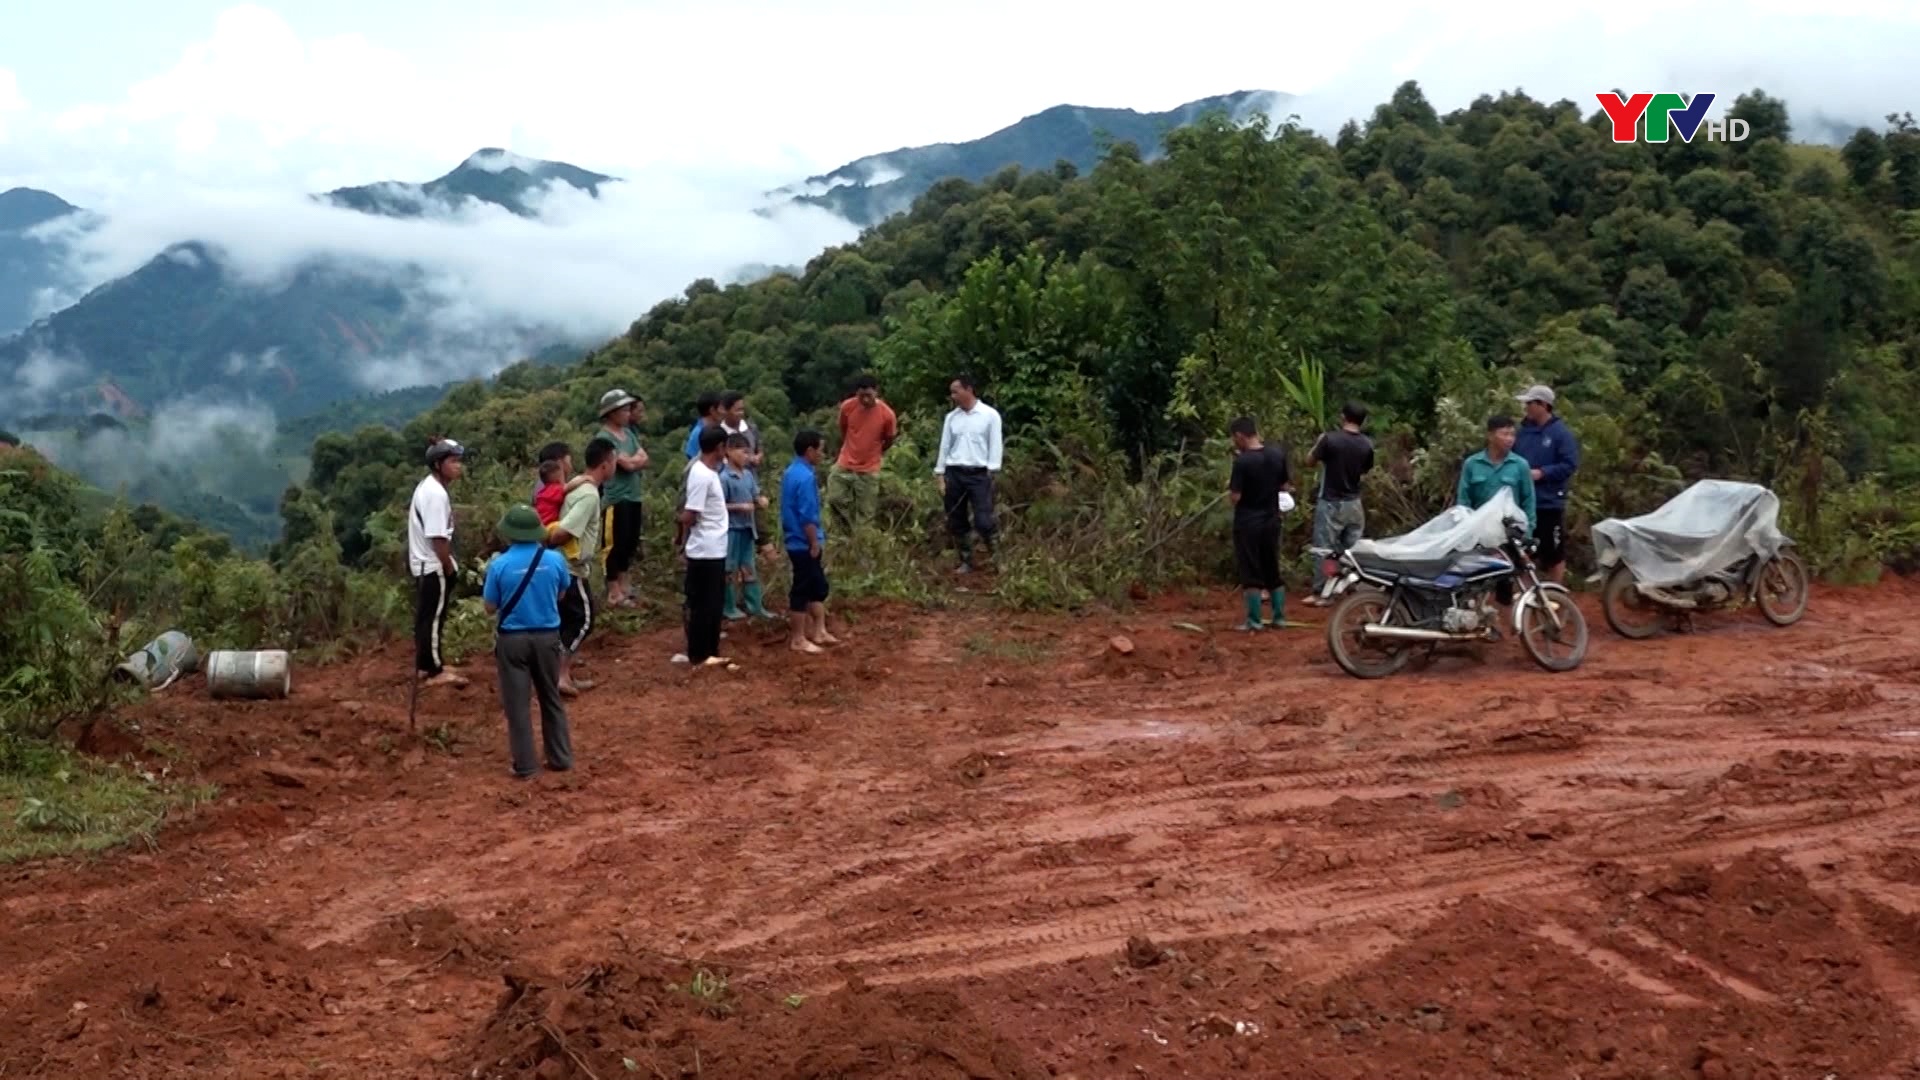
x,y
1243,804
1425,884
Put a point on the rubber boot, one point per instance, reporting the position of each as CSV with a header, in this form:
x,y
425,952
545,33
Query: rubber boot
x,y
732,610
756,607
1253,611
1279,600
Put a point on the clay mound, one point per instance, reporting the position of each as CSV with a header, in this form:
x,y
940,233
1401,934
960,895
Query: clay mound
x,y
659,1018
1803,776
203,976
435,934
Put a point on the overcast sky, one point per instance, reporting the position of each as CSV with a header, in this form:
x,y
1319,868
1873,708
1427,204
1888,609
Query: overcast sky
x,y
99,97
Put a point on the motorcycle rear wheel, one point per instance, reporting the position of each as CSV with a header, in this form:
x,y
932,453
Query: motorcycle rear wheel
x,y
1349,644
1783,590
1537,631
1620,601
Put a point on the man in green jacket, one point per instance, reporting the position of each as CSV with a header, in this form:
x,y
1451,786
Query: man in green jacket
x,y
1496,467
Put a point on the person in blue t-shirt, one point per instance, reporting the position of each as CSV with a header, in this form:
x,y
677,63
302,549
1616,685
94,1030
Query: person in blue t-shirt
x,y
806,538
707,410
522,592
744,501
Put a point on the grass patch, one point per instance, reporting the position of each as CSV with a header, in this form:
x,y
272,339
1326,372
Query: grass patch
x,y
1024,652
54,802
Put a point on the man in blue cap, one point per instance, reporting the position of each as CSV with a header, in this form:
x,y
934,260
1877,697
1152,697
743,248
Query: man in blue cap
x,y
523,590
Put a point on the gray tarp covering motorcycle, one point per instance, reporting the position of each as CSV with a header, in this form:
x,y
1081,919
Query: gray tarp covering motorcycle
x,y
1717,544
1438,586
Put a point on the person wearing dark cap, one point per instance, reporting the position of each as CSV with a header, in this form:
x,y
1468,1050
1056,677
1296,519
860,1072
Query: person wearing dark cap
x,y
430,559
1552,454
522,593
619,415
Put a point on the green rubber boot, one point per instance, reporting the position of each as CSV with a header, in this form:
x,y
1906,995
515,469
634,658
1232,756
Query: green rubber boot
x,y
1279,600
732,610
756,607
1253,612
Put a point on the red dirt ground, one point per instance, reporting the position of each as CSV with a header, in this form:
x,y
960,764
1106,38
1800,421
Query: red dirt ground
x,y
979,845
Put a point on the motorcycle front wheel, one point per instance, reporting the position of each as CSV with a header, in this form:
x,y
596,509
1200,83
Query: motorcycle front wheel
x,y
1552,629
1630,614
1357,654
1783,590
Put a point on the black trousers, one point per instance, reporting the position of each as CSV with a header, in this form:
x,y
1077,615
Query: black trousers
x,y
969,503
432,597
623,546
706,596
1256,554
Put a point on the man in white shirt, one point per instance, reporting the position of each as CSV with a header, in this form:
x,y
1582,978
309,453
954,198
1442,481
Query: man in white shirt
x,y
702,538
970,448
430,560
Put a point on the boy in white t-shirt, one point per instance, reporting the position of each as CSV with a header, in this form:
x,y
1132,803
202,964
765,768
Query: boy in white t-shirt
x,y
702,538
430,560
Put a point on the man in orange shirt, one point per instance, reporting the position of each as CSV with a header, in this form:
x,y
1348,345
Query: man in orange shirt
x,y
867,429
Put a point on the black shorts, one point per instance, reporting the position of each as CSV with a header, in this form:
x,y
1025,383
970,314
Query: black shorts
x,y
1256,555
1550,532
809,581
576,614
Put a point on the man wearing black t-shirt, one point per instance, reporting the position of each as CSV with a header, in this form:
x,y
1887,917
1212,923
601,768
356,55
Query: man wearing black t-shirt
x,y
1344,455
1260,474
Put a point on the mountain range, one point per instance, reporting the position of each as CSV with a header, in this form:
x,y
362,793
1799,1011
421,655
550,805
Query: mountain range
x,y
182,325
34,280
876,187
116,380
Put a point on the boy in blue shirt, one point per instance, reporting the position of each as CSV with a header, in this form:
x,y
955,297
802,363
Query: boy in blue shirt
x,y
707,414
806,538
523,590
744,501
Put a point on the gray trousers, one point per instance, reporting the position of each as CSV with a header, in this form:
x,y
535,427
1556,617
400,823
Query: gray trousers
x,y
529,666
1337,526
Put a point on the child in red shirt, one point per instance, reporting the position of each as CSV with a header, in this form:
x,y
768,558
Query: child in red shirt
x,y
546,501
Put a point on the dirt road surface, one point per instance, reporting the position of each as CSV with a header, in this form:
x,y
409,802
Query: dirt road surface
x,y
980,845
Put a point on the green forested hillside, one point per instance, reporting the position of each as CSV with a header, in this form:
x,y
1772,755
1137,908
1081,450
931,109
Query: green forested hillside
x,y
1746,310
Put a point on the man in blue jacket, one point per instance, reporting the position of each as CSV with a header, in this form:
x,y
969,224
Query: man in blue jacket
x,y
1553,455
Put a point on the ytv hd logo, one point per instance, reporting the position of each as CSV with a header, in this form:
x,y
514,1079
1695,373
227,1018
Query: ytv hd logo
x,y
1663,111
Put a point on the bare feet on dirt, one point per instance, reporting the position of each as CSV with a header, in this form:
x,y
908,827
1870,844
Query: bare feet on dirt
x,y
805,646
445,678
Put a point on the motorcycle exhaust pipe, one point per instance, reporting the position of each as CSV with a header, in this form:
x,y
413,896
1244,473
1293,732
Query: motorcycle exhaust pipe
x,y
1406,633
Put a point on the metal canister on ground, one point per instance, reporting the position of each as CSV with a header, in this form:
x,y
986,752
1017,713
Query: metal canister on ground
x,y
161,661
263,674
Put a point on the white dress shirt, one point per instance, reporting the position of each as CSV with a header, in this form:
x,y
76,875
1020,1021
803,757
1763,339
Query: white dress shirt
x,y
970,439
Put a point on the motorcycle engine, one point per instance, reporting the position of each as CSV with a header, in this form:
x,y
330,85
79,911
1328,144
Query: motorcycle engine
x,y
1714,591
1460,620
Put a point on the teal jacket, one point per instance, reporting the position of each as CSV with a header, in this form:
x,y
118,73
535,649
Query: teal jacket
x,y
1480,478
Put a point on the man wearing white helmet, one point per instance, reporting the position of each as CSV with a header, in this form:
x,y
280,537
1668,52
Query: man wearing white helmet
x,y
430,559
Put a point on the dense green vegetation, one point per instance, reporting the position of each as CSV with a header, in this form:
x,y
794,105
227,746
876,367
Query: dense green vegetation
x,y
1748,310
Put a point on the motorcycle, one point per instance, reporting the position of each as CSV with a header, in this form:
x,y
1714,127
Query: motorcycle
x,y
1713,547
1390,605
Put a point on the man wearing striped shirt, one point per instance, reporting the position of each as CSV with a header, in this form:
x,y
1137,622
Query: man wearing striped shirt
x,y
970,448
